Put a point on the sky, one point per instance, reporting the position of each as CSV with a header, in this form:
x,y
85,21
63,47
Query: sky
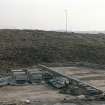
x,y
83,15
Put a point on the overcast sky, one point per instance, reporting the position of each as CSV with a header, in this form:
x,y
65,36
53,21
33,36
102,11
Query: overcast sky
x,y
83,15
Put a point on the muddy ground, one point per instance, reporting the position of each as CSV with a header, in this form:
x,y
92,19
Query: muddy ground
x,y
38,95
42,94
35,93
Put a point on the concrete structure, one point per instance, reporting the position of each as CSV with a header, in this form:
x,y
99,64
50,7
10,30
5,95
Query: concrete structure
x,y
20,76
86,88
26,76
34,76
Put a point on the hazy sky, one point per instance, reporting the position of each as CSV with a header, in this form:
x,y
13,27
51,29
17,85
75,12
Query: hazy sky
x,y
83,15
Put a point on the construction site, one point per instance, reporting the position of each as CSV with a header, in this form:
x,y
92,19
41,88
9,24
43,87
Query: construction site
x,y
52,85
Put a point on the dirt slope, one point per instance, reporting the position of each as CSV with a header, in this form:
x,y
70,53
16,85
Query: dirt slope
x,y
28,47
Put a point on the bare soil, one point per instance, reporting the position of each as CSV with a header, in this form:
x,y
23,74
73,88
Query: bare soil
x,y
44,95
36,93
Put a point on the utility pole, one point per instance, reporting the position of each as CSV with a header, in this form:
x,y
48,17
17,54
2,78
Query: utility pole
x,y
66,18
